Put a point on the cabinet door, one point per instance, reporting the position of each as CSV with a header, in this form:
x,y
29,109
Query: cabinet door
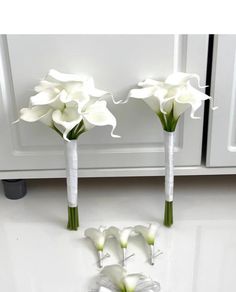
x,y
117,63
221,149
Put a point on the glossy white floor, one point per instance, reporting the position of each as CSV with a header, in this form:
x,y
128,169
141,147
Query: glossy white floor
x,y
37,253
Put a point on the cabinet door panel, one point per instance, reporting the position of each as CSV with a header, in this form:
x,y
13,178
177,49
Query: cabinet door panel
x,y
117,63
221,150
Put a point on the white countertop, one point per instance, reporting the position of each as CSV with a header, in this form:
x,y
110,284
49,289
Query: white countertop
x,y
37,253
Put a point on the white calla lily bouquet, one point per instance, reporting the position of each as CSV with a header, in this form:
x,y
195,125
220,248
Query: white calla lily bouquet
x,y
70,105
169,99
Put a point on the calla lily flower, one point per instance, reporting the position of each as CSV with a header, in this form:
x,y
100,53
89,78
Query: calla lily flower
x,y
169,99
122,236
98,237
37,113
149,234
119,278
114,278
70,104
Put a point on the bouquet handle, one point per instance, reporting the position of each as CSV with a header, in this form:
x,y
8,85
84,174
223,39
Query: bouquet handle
x,y
72,184
169,177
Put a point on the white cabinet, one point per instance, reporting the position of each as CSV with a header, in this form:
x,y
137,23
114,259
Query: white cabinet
x,y
222,127
117,63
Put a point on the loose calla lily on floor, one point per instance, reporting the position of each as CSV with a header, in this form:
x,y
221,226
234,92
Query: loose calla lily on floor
x,y
98,237
149,234
122,236
114,278
169,99
70,105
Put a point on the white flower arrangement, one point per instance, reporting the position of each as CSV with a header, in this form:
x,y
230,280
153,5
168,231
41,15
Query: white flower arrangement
x,y
71,105
169,99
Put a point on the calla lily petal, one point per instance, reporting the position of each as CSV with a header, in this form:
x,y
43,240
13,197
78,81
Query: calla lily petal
x,y
78,99
149,233
45,85
37,113
155,96
105,285
62,77
131,281
116,279
98,114
142,92
47,97
122,235
153,103
189,97
97,236
42,98
97,92
67,119
150,82
181,78
116,274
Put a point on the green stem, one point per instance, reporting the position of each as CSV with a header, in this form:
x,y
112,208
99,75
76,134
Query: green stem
x,y
168,216
55,129
73,218
168,121
76,131
162,119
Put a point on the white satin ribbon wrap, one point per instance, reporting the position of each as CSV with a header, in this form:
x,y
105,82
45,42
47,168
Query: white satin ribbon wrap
x,y
72,173
169,165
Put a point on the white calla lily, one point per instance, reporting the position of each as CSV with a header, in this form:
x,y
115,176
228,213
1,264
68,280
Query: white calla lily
x,y
70,104
189,97
98,237
156,95
97,114
122,236
131,281
37,113
149,234
120,279
115,274
115,279
171,98
66,120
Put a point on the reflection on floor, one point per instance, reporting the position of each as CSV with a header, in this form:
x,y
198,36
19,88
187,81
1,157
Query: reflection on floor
x,y
37,253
